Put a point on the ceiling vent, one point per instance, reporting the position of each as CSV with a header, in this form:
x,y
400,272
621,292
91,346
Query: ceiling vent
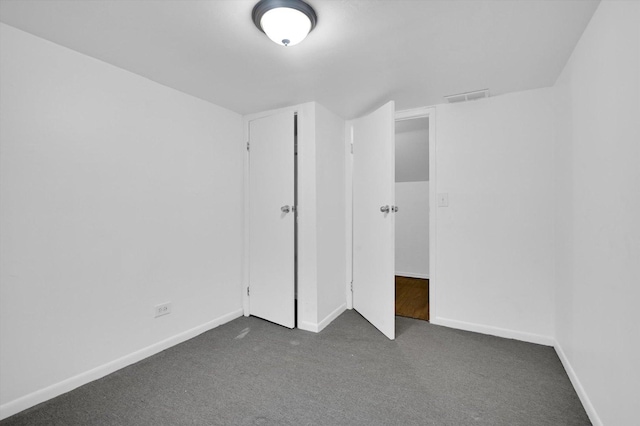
x,y
468,96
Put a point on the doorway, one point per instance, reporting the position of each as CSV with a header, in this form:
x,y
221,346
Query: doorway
x,y
412,238
371,176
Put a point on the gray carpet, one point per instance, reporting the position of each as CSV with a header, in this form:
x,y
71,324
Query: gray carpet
x,y
252,372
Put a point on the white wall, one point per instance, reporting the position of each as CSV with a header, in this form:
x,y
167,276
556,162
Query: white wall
x,y
412,153
494,269
307,284
597,171
412,229
117,194
331,225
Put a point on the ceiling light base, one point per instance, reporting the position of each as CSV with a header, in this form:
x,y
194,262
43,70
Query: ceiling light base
x,y
284,21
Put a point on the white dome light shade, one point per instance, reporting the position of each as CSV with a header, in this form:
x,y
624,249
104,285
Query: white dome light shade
x,y
285,26
286,22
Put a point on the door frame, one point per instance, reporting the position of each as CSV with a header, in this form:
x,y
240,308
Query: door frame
x,y
422,112
305,210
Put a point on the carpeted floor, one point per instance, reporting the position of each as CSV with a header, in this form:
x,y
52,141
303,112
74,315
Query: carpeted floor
x,y
252,372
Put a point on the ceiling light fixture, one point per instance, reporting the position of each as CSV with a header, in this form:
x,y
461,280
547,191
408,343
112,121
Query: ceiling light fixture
x,y
286,22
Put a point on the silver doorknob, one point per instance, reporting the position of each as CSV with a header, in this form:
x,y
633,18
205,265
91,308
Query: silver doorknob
x,y
384,209
285,209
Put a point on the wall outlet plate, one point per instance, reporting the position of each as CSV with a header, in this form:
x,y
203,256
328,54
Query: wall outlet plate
x,y
163,309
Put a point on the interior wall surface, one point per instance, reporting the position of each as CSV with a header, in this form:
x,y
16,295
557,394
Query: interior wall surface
x,y
597,198
331,224
412,229
494,239
117,194
412,155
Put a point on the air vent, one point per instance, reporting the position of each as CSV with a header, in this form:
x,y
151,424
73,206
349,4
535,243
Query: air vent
x,y
468,96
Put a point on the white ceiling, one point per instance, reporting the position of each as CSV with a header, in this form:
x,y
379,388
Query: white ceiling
x,y
361,54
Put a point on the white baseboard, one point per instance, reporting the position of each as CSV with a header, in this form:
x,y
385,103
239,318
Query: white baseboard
x,y
495,331
13,407
582,394
316,328
413,275
308,326
333,315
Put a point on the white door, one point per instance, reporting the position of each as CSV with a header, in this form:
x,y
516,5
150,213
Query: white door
x,y
271,219
374,219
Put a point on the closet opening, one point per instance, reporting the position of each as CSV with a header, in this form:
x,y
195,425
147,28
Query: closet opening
x,y
412,218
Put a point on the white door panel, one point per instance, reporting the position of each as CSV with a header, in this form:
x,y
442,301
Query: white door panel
x,y
271,230
374,230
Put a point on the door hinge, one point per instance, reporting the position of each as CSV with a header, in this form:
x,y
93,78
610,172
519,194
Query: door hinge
x,y
248,144
247,291
352,148
351,286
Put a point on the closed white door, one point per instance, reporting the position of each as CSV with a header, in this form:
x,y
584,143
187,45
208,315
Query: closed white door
x,y
374,218
272,219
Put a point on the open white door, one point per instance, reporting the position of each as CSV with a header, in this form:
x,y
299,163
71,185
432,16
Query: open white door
x,y
374,219
272,219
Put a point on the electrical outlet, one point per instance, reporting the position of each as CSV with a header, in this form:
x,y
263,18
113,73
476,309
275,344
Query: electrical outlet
x,y
163,309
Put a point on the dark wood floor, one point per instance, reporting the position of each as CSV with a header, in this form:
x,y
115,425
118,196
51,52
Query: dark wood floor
x,y
412,298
